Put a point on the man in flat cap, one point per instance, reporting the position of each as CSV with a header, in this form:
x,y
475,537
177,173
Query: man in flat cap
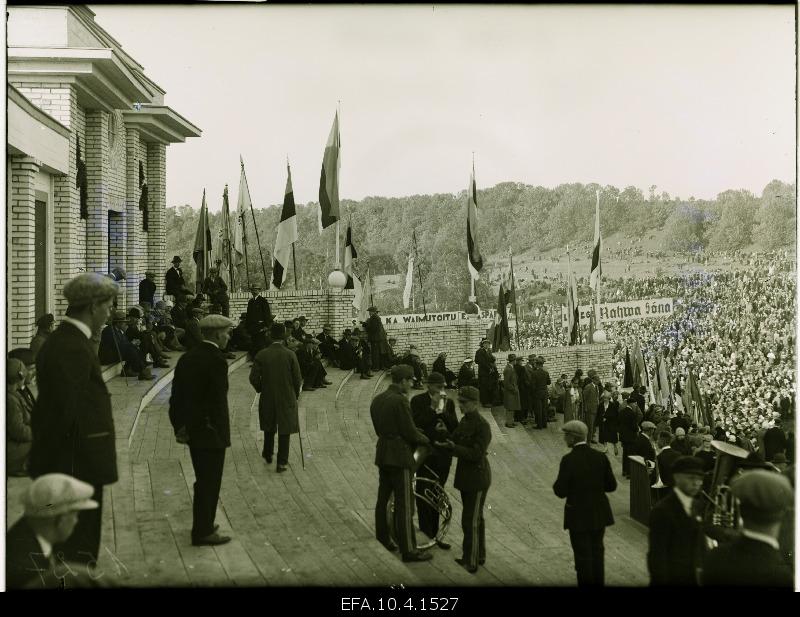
x,y
72,423
584,478
52,504
147,288
377,340
470,444
676,533
540,381
435,415
259,319
198,411
174,283
394,455
193,336
754,559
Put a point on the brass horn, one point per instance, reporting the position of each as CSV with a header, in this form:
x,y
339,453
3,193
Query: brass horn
x,y
723,509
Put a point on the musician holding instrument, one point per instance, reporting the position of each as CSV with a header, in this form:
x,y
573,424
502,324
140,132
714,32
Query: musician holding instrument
x,y
435,415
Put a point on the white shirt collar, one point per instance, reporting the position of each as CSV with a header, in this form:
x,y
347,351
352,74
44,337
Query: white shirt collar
x,y
685,500
761,537
580,443
211,343
80,325
47,548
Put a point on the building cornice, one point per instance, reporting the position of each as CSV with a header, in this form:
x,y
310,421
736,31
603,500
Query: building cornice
x,y
36,113
160,124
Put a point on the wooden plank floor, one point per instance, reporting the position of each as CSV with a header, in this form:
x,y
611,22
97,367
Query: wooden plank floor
x,y
315,526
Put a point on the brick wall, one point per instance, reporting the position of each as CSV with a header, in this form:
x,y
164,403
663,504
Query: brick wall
x,y
156,242
22,269
97,177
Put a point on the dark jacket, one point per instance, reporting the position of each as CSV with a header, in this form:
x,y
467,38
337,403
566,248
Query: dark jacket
x,y
425,420
258,313
644,447
466,376
524,387
666,459
72,423
584,478
471,438
591,399
675,544
397,435
348,358
487,365
111,339
608,420
193,336
628,427
26,566
199,400
774,441
276,375
746,563
540,381
638,399
147,291
174,282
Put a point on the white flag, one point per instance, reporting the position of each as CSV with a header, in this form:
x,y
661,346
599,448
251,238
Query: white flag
x,y
409,281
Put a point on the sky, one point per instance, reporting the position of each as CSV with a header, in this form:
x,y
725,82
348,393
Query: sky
x,y
694,100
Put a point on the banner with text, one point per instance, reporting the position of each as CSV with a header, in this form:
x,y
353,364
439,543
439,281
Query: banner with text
x,y
624,311
446,316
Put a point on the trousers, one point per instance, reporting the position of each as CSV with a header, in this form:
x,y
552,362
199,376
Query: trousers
x,y
540,411
587,547
283,446
83,546
627,450
395,481
428,515
208,464
474,544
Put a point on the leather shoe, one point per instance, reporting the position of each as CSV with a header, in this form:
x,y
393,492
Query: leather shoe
x,y
267,457
418,556
161,364
213,539
281,468
391,547
327,383
443,545
461,562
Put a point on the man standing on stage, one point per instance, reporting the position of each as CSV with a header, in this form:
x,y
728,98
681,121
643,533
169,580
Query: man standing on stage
x,y
174,283
377,340
258,320
488,375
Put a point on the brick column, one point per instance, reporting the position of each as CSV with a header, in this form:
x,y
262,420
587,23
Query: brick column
x,y
157,223
134,260
96,159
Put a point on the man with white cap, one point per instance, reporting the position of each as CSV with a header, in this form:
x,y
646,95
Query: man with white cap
x,y
466,374
72,423
198,411
584,478
52,504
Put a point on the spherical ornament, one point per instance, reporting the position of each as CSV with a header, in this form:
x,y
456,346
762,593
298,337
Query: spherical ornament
x,y
337,279
599,336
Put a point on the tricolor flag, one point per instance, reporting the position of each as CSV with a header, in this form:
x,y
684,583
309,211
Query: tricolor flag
x,y
409,282
627,380
474,258
329,179
242,206
597,269
572,305
202,246
287,234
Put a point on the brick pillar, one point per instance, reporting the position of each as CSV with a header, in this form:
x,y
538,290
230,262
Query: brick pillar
x,y
134,262
22,233
96,160
157,194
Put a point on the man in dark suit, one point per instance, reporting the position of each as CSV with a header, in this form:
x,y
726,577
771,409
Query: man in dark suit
x,y
628,432
584,478
754,559
774,441
198,411
524,388
276,375
643,446
470,443
147,288
348,359
676,534
435,415
115,347
488,374
591,399
540,381
328,346
72,422
666,458
394,456
259,319
174,283
193,337
637,396
466,374
377,340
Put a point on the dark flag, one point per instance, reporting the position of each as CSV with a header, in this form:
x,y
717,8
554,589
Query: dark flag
x,y
287,234
143,196
501,337
81,182
627,380
329,179
349,255
202,246
597,268
474,257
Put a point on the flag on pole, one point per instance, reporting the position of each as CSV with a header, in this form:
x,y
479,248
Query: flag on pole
x,y
225,240
143,206
242,206
202,246
627,380
663,380
409,281
287,234
474,258
501,339
592,327
329,179
597,269
349,255
365,300
572,307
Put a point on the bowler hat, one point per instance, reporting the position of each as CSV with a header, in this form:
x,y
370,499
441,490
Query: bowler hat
x,y
435,378
372,309
177,259
689,465
56,493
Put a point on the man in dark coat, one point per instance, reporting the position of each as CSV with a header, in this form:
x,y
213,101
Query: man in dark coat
x,y
774,441
470,444
348,358
116,347
628,431
394,455
584,478
440,366
365,355
466,374
524,387
377,340
676,534
198,411
72,423
217,291
147,288
435,415
591,399
259,319
637,396
754,559
488,375
193,337
666,458
328,346
540,381
276,376
174,283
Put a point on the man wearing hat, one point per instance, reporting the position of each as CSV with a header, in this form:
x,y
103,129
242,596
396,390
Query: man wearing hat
x,y
198,412
644,445
540,380
435,415
377,340
27,358
470,444
511,392
140,333
676,533
488,375
584,478
412,359
147,288
328,346
259,319
394,455
775,441
193,336
276,375
52,504
217,291
72,423
754,559
116,347
666,457
44,327
18,420
174,283
466,374
591,399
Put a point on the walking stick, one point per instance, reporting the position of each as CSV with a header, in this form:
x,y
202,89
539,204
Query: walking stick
x,y
119,354
302,456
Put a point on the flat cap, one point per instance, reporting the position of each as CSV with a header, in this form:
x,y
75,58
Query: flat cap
x,y
118,316
512,357
56,493
576,428
435,378
647,425
215,322
690,465
15,370
23,354
89,287
466,360
401,371
679,431
763,495
469,393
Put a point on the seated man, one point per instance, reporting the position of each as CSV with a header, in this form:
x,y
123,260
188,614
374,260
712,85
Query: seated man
x,y
348,355
466,374
162,323
391,354
440,366
19,436
115,347
193,336
178,316
240,336
420,370
311,369
328,346
28,359
145,339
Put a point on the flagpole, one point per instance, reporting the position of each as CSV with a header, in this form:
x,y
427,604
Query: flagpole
x,y
419,273
228,239
514,291
258,240
369,280
294,263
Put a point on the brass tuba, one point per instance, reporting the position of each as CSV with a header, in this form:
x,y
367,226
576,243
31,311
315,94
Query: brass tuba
x,y
722,510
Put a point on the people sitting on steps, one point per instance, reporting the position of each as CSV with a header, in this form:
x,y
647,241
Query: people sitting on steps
x,y
116,347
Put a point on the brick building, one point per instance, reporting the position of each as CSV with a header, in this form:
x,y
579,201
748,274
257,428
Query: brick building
x,y
73,88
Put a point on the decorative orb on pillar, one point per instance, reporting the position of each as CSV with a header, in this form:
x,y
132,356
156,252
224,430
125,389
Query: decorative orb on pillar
x,y
599,336
337,279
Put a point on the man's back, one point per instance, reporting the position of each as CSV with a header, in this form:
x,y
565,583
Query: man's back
x,y
746,563
584,478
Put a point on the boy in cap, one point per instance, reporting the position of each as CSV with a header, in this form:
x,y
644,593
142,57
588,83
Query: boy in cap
x,y
52,506
470,443
198,412
584,478
676,534
754,559
72,422
394,455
